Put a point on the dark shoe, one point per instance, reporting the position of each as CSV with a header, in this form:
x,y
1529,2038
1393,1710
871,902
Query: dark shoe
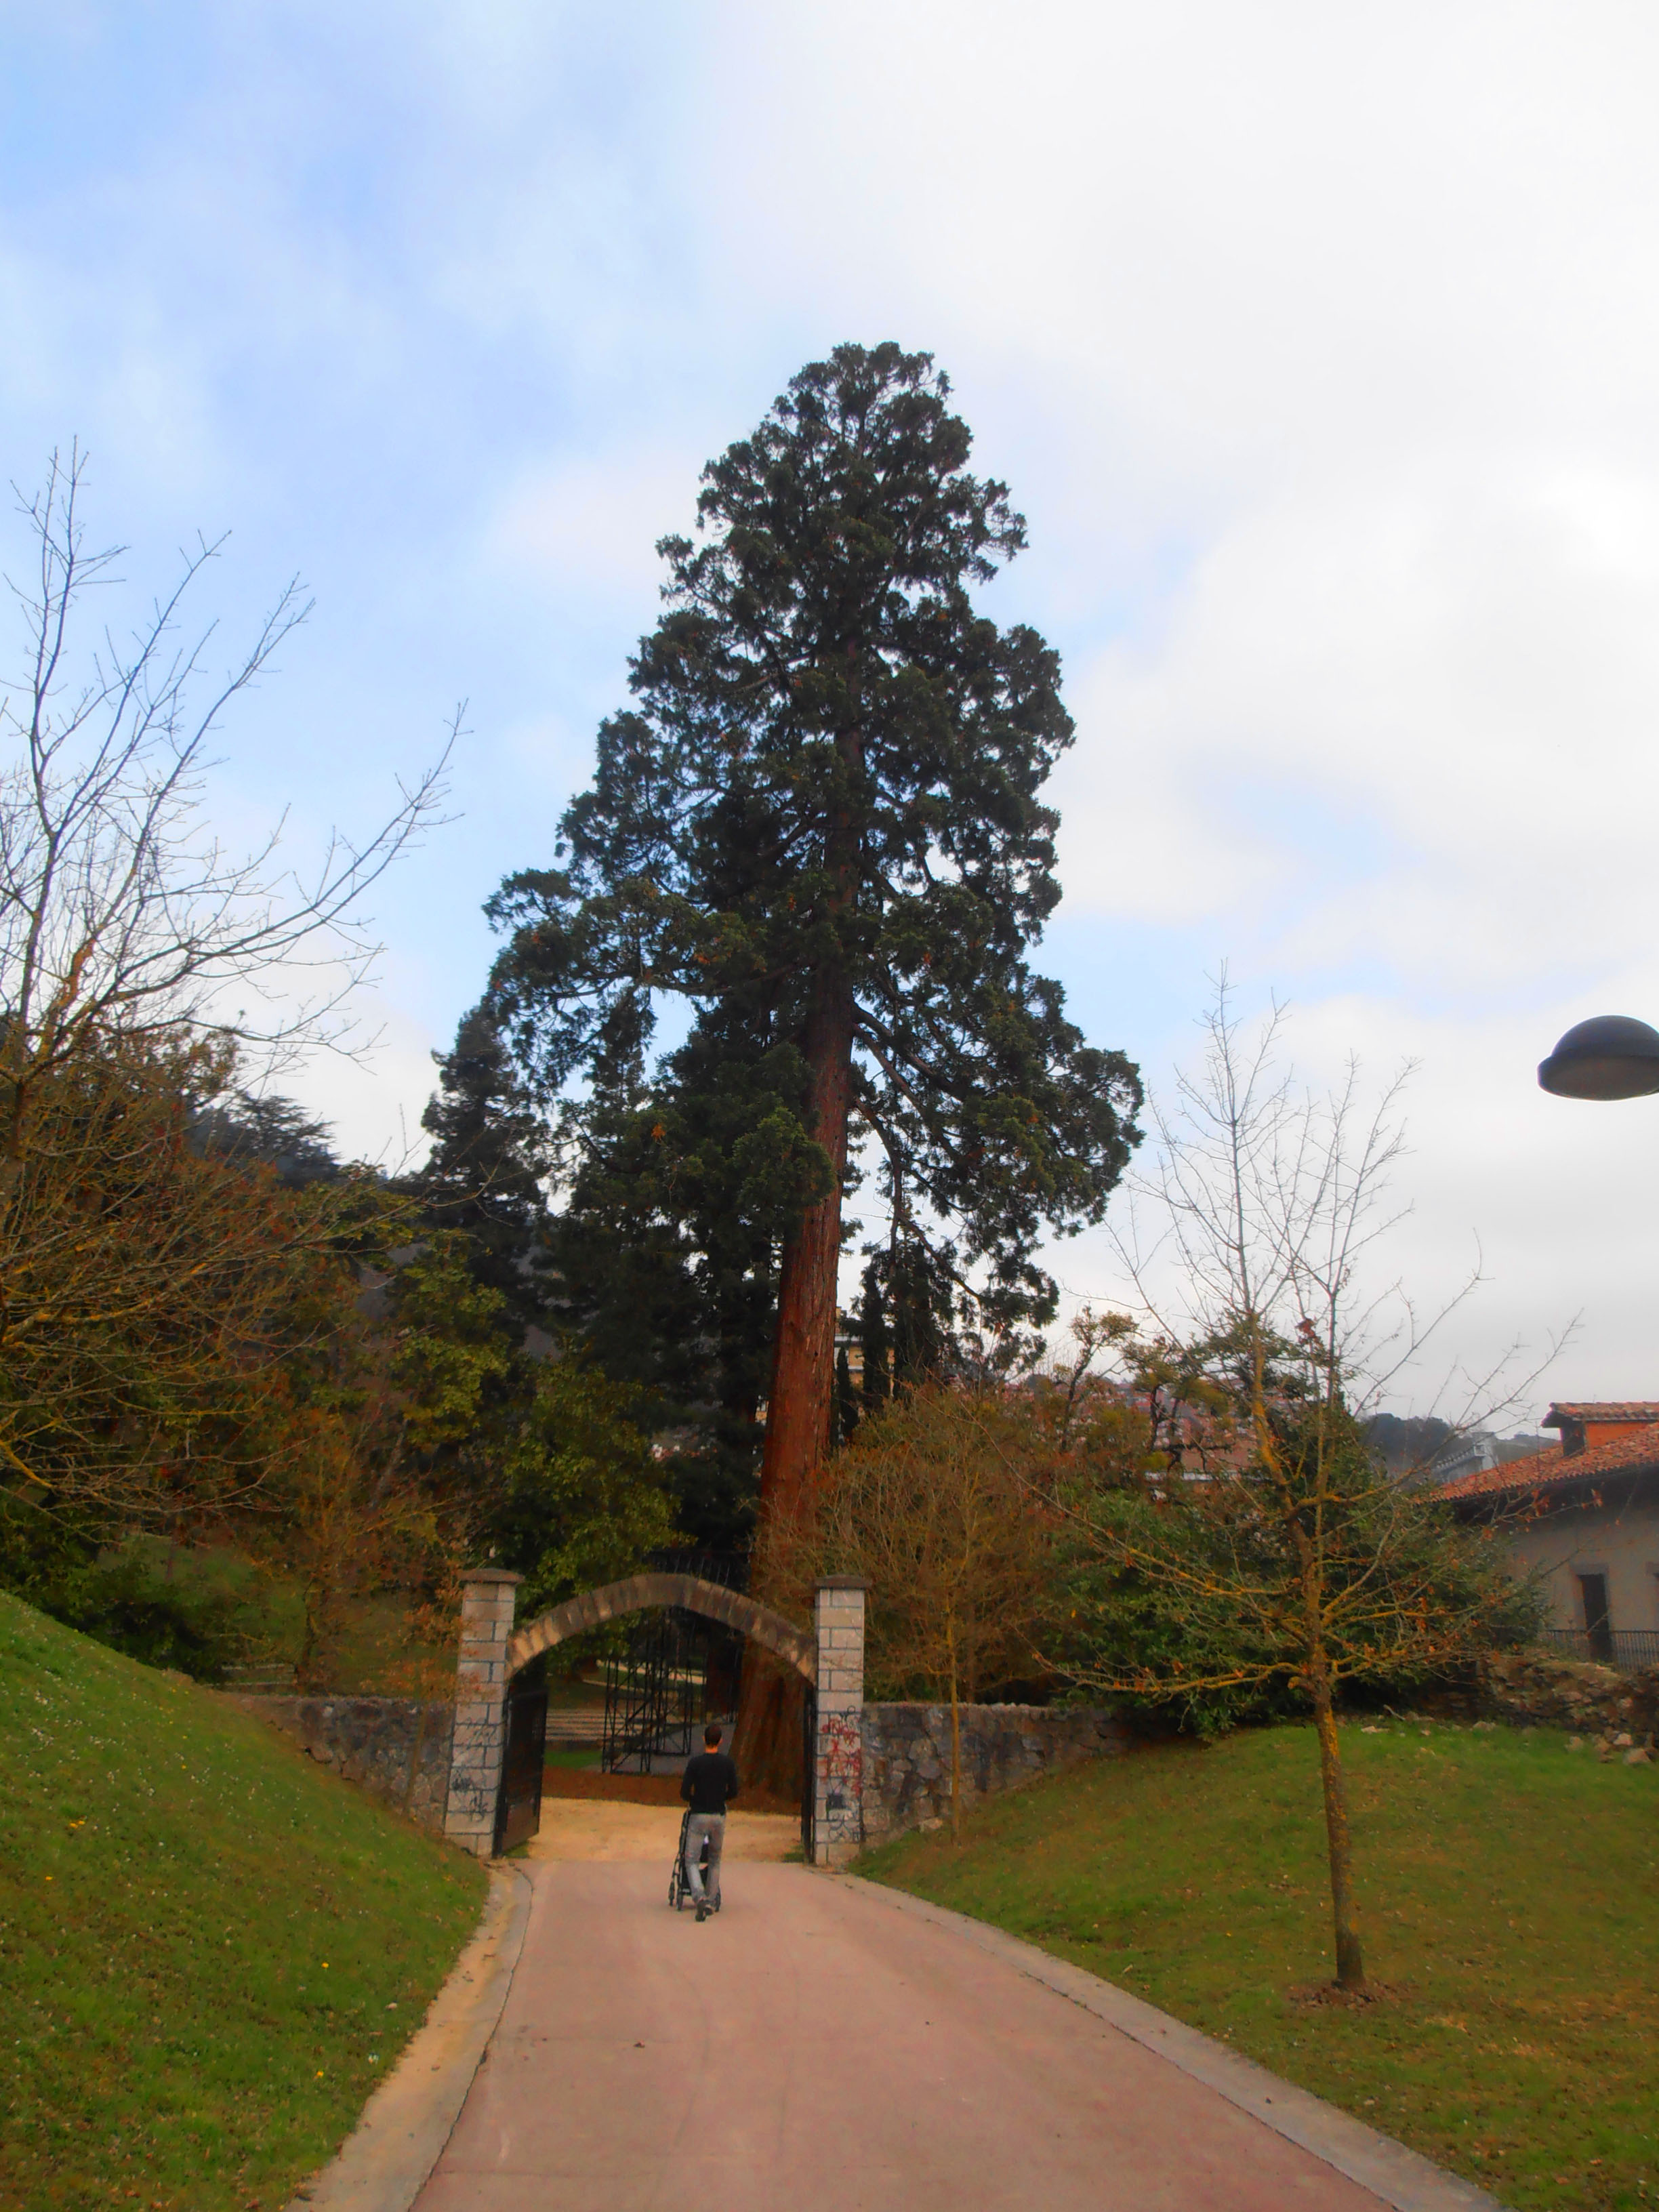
x,y
702,1909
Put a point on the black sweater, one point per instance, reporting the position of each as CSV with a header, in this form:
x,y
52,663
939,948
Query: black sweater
x,y
709,1783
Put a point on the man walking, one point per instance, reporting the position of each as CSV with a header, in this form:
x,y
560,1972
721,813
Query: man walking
x,y
707,1786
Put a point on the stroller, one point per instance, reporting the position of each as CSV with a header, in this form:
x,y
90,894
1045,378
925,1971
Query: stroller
x,y
678,1891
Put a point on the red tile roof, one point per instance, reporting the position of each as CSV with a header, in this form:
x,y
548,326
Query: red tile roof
x,y
1603,1409
1551,1469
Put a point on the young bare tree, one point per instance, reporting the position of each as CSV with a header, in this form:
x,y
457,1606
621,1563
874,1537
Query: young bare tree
x,y
1286,1554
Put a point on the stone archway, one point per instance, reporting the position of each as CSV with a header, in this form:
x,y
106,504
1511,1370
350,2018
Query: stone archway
x,y
690,1592
830,1660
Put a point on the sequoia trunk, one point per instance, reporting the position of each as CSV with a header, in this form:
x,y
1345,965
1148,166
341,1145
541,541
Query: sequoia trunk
x,y
766,1741
802,1394
804,1349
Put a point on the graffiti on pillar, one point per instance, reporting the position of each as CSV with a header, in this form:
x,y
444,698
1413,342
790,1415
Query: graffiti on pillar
x,y
841,1776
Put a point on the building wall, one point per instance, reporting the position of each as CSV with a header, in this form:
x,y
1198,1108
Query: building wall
x,y
1603,1432
1620,1540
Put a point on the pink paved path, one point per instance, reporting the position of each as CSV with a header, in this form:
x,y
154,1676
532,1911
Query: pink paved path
x,y
815,2050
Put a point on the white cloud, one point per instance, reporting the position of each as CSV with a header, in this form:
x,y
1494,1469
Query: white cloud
x,y
1404,724
1320,345
589,525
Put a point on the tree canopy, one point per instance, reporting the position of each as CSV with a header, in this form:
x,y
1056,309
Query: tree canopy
x,y
819,825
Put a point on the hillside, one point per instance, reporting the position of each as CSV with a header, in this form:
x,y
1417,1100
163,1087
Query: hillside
x,y
209,1951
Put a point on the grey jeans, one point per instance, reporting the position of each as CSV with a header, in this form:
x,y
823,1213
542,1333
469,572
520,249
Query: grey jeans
x,y
712,1824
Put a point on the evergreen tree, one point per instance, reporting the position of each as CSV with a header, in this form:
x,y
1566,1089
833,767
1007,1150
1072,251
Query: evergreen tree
x,y
820,825
679,1192
847,1398
875,1342
274,1131
486,1169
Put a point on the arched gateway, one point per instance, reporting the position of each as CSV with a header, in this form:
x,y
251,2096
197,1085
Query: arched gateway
x,y
690,1592
830,1661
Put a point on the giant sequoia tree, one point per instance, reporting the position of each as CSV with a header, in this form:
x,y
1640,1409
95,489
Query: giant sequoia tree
x,y
820,823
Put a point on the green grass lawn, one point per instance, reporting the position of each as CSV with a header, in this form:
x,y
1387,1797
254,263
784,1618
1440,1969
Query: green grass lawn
x,y
1510,1895
209,1950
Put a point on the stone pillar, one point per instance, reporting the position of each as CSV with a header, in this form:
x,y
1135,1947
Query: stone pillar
x,y
838,1754
480,1739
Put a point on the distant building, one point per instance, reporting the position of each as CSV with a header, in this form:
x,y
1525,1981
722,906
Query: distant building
x,y
1470,1454
1586,1512
1478,1451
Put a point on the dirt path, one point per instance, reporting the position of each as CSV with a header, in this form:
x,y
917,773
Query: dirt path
x,y
816,2047
586,1831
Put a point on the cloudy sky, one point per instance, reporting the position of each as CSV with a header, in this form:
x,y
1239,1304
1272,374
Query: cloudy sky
x,y
1320,345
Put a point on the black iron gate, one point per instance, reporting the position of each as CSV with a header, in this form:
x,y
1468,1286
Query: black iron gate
x,y
519,1802
678,1670
809,1766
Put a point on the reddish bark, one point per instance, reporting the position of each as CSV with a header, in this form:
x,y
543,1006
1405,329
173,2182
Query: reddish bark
x,y
804,1350
766,1741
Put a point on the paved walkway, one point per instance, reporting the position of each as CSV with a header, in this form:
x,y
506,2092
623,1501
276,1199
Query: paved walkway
x,y
814,2049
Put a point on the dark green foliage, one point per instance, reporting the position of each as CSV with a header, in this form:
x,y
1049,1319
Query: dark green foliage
x,y
875,1341
1113,1621
910,1290
270,1130
679,1192
485,1173
825,795
1190,1594
41,1551
847,1399
548,1467
579,1501
126,1599
1407,1444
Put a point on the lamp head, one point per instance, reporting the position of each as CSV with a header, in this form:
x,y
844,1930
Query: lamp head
x,y
1610,1056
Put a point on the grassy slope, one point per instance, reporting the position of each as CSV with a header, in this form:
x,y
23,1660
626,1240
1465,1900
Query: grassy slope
x,y
1511,1897
209,1950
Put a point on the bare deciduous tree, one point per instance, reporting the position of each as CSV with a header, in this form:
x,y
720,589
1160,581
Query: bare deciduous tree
x,y
142,969
120,914
1287,1553
937,1501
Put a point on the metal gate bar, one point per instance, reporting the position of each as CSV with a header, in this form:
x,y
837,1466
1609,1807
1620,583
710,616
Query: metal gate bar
x,y
518,1801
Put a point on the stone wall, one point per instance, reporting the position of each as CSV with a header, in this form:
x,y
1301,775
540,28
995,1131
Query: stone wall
x,y
1526,1687
907,1756
373,1742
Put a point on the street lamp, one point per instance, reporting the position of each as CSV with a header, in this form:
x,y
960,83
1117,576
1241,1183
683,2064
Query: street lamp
x,y
1609,1057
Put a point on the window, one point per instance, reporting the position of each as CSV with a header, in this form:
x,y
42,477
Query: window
x,y
1598,1624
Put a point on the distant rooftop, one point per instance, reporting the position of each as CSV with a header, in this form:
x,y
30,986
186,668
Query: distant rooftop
x,y
1634,1451
1602,1409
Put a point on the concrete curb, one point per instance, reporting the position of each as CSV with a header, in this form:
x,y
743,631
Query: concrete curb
x,y
1400,2177
387,2159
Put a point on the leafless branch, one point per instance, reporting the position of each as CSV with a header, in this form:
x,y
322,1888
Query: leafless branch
x,y
120,913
